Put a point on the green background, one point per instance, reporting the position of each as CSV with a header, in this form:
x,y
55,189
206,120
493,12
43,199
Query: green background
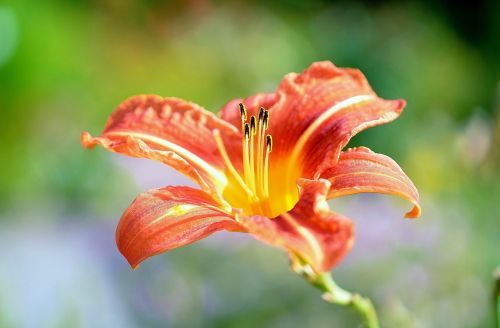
x,y
65,65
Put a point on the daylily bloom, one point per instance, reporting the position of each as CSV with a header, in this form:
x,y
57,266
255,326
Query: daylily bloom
x,y
266,166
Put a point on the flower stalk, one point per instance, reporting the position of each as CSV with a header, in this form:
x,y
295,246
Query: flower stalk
x,y
496,296
335,294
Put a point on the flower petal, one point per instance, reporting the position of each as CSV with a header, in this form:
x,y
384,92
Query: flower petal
x,y
319,110
361,170
310,231
163,219
231,113
155,127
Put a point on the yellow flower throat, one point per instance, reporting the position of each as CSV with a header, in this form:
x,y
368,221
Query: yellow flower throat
x,y
256,191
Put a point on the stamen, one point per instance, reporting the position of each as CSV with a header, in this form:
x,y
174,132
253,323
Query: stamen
x,y
243,112
266,119
246,162
252,151
229,165
252,124
261,113
247,131
260,146
256,149
269,143
269,149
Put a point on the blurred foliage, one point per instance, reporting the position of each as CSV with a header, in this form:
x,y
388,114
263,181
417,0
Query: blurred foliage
x,y
64,65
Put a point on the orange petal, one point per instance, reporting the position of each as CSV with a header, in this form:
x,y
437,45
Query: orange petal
x,y
319,110
310,231
163,219
361,170
138,148
231,112
170,130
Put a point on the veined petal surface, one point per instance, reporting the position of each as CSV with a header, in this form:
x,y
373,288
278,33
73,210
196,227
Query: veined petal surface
x,y
361,170
151,126
163,219
319,111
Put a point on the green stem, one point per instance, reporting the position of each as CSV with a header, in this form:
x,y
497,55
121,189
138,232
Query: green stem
x,y
336,295
496,296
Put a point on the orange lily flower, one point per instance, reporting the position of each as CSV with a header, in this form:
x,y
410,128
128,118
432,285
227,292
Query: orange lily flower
x,y
274,188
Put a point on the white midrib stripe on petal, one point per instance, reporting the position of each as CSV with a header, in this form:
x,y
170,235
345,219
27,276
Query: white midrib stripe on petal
x,y
322,118
183,152
307,235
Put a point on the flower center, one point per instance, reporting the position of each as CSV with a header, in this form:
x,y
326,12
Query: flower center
x,y
257,191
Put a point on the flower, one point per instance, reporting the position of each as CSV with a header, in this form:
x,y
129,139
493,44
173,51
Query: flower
x,y
266,166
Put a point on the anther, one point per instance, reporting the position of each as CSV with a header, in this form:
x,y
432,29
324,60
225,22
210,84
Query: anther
x,y
269,147
269,143
261,114
253,125
247,131
243,112
266,119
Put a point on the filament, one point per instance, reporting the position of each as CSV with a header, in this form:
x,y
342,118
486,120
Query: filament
x,y
252,153
256,149
269,148
260,145
229,165
246,162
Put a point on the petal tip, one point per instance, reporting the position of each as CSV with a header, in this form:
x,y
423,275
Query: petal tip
x,y
322,64
401,104
133,262
415,212
87,140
